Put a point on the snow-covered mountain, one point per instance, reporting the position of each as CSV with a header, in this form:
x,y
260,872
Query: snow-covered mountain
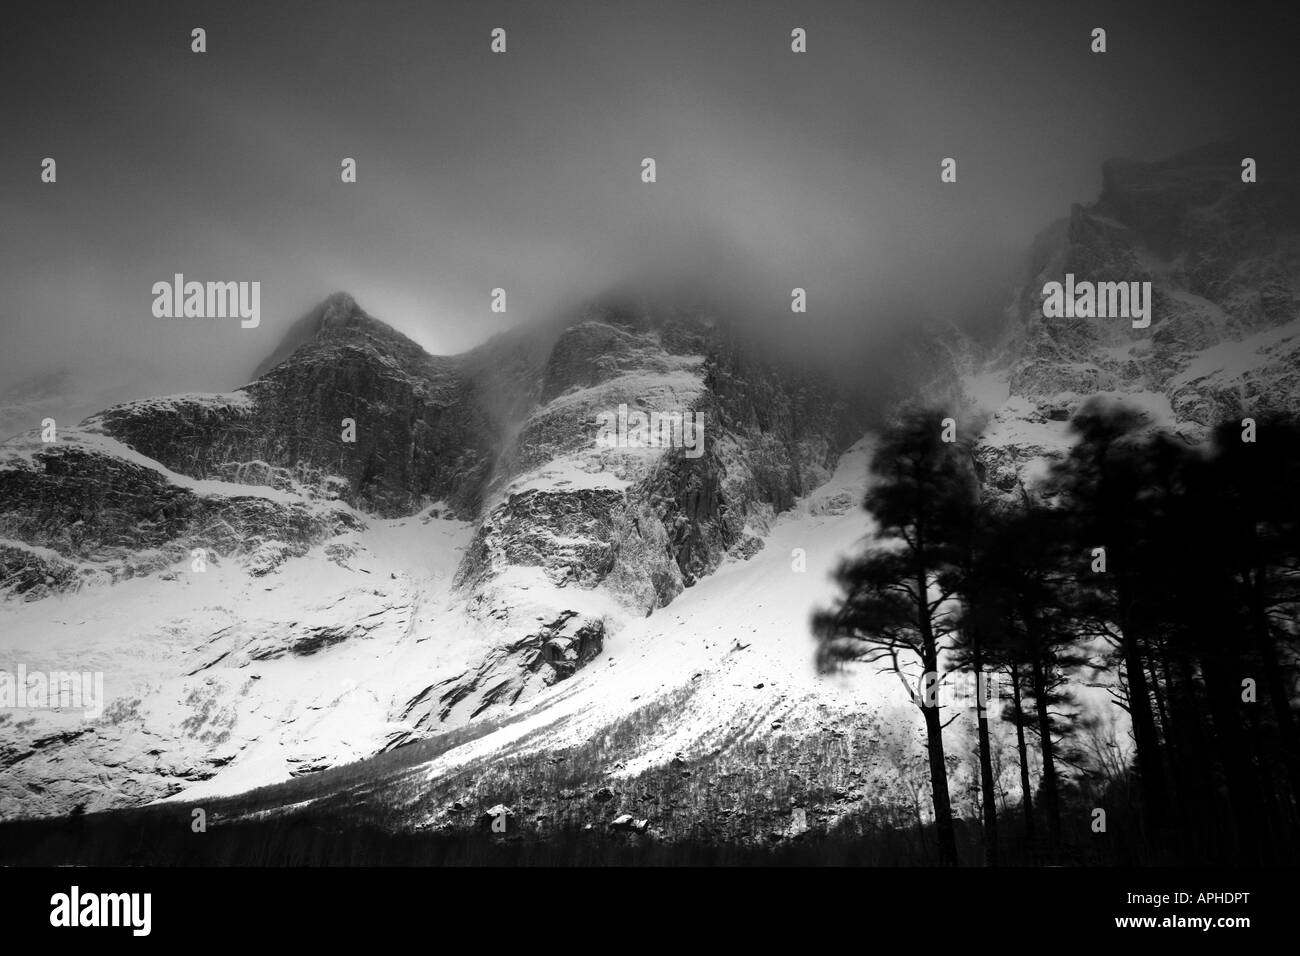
x,y
583,626
265,597
1223,260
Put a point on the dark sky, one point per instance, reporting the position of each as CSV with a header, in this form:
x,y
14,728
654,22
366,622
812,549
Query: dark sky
x,y
522,171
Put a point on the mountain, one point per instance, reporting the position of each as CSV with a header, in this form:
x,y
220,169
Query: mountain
x,y
480,602
1223,260
266,598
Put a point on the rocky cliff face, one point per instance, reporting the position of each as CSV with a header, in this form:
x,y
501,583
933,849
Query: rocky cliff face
x,y
86,510
576,534
417,434
478,560
1223,260
515,543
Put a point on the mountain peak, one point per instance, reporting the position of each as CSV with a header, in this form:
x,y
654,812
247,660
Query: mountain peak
x,y
338,310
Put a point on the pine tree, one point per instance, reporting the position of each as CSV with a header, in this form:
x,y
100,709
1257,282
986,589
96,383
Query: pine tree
x,y
1025,578
1254,488
1107,493
898,601
980,635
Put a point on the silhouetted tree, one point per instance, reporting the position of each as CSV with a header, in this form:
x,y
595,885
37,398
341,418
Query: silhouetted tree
x,y
1174,565
1107,500
898,601
1254,489
981,632
1025,576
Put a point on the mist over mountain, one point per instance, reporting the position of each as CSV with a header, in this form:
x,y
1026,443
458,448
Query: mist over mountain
x,y
776,171
473,558
431,431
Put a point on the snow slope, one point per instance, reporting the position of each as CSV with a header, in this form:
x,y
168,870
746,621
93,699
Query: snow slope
x,y
741,634
250,679
318,662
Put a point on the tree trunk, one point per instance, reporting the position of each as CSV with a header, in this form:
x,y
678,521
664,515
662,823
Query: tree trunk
x,y
934,733
1161,713
1275,685
1026,790
1244,798
991,857
1150,768
939,788
1051,798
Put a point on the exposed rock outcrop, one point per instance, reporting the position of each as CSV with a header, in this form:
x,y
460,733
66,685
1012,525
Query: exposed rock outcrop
x,y
565,536
1223,260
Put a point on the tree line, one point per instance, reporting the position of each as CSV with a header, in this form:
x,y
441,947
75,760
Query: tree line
x,y
1167,573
